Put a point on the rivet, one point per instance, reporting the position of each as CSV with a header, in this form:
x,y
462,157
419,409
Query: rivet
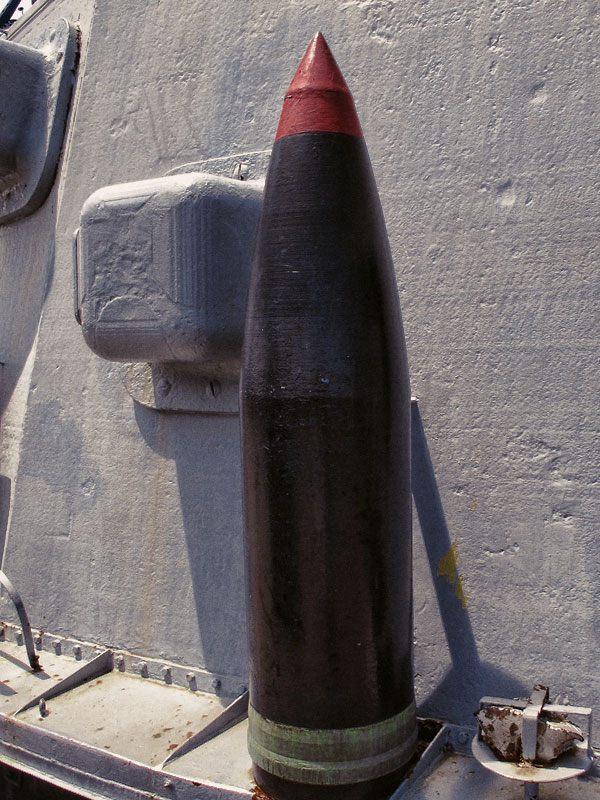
x,y
216,684
19,638
142,668
213,388
57,645
168,783
43,707
77,651
241,171
191,679
463,737
38,642
119,663
166,674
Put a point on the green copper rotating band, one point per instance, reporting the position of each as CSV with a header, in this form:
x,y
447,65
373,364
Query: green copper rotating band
x,y
332,756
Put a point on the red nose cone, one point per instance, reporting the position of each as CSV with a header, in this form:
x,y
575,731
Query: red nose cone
x,y
317,98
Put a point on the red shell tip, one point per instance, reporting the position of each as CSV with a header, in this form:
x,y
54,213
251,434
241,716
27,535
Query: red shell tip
x,y
318,98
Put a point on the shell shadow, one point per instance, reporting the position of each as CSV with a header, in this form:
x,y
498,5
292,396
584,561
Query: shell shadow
x,y
457,695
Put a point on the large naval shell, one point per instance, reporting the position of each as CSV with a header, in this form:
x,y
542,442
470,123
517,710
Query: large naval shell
x,y
325,436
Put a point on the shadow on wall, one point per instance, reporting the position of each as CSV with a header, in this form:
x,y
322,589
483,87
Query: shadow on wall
x,y
25,278
26,270
206,452
469,678
5,493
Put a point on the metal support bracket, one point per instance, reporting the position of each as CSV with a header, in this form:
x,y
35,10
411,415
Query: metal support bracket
x,y
234,713
570,764
26,627
539,696
98,666
36,83
173,311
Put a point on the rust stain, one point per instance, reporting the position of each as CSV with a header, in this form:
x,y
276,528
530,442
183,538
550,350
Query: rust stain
x,y
473,505
258,794
512,752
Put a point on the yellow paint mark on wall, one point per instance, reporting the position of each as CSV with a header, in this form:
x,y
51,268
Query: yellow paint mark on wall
x,y
460,591
448,568
447,564
473,505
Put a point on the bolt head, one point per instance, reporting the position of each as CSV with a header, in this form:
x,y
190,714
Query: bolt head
x,y
166,674
191,679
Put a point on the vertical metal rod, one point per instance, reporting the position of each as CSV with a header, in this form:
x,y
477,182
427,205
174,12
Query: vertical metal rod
x,y
531,791
7,12
27,635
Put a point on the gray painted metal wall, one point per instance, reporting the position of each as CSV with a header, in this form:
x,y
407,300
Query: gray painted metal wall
x,y
123,525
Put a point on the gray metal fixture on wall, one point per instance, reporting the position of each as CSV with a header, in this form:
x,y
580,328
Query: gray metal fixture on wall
x,y
35,94
161,275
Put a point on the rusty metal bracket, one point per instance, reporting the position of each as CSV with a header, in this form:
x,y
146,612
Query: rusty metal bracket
x,y
25,626
571,764
538,697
